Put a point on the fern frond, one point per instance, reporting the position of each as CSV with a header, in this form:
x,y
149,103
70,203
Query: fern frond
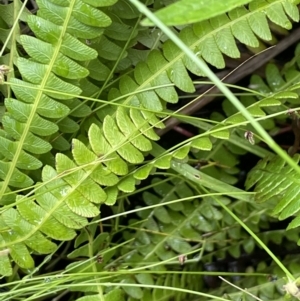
x,y
76,187
164,70
45,97
170,68
276,181
27,119
171,229
268,288
72,191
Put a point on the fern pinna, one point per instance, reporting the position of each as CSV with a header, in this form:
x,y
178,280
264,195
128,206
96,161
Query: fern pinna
x,y
277,182
61,101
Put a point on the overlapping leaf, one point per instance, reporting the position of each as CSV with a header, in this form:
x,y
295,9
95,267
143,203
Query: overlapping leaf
x,y
43,100
47,94
276,181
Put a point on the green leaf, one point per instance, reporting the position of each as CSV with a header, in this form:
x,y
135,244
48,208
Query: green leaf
x,y
98,3
32,143
224,38
163,162
118,140
132,291
8,10
156,62
256,111
259,24
112,194
34,214
109,50
153,119
21,227
17,179
235,251
144,279
291,10
286,94
182,152
211,212
25,160
177,73
101,147
241,29
79,180
235,119
35,72
100,174
191,11
179,245
21,256
295,223
47,107
130,131
126,10
81,206
78,109
162,215
50,203
42,52
201,224
142,124
275,179
249,245
277,15
5,267
21,113
98,70
120,32
127,185
267,102
148,98
61,191
115,295
143,172
89,15
187,231
68,125
90,298
274,78
222,134
60,144
71,47
202,143
209,49
85,251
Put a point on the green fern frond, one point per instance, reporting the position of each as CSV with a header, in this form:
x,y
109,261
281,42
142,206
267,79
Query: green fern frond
x,y
203,142
45,107
169,230
52,54
276,181
76,187
279,88
143,74
45,97
266,288
170,68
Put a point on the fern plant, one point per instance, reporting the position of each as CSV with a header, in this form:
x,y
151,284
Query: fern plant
x,y
80,116
281,188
